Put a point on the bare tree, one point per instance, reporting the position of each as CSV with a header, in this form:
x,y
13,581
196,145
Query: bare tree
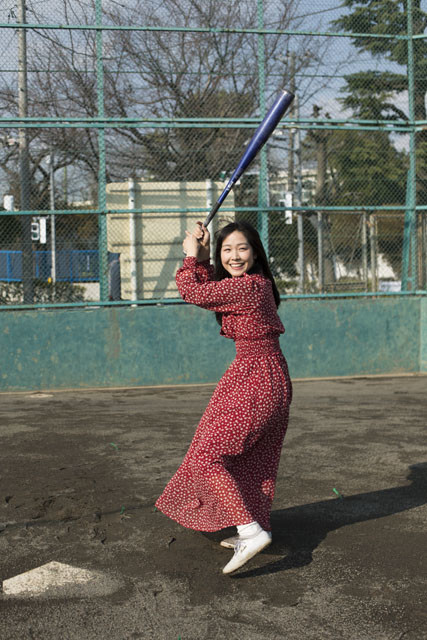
x,y
154,74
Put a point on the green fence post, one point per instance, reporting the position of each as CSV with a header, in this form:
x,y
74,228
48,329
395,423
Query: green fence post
x,y
102,202
407,235
412,177
263,195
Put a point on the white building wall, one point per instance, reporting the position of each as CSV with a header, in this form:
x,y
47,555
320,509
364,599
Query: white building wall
x,y
158,235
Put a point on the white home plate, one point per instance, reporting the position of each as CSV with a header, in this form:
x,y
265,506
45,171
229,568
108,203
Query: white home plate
x,y
41,395
56,579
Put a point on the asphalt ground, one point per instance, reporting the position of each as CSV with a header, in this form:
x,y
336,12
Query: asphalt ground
x,y
80,471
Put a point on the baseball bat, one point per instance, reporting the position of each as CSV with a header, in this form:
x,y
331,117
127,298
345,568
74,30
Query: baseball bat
x,y
261,135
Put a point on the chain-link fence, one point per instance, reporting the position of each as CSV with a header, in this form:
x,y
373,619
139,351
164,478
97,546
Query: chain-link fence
x,y
120,122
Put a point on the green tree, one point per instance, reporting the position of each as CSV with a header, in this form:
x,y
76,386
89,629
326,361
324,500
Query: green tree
x,y
200,153
365,169
371,94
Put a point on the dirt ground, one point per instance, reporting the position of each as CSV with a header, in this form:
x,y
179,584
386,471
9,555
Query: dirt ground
x,y
80,471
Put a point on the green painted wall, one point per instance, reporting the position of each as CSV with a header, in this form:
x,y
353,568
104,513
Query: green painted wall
x,y
352,336
178,344
423,335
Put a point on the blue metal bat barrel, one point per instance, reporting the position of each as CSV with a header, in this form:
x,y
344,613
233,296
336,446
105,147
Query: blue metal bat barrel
x,y
265,129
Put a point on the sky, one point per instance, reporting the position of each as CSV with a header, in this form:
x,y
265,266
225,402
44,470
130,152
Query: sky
x,y
339,57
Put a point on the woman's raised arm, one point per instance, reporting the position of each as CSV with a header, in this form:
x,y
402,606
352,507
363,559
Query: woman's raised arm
x,y
237,295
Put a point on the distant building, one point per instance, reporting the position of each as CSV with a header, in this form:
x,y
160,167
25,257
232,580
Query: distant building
x,y
150,243
279,186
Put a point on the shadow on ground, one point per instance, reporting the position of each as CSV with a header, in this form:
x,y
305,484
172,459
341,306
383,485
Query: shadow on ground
x,y
298,531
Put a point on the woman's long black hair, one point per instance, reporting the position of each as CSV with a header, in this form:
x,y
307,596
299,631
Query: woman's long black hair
x,y
260,265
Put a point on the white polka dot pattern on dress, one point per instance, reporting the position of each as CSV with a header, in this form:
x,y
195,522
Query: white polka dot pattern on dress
x,y
229,473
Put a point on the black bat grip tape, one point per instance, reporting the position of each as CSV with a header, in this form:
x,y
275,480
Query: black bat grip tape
x,y
211,213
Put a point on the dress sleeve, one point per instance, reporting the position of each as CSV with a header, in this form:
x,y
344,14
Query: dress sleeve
x,y
230,295
204,271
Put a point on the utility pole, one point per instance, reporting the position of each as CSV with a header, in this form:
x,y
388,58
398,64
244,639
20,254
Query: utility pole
x,y
321,139
325,250
298,201
291,161
296,192
24,165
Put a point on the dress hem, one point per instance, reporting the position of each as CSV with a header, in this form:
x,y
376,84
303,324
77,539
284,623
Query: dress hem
x,y
210,530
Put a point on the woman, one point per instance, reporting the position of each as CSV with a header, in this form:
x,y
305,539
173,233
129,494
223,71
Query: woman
x,y
229,472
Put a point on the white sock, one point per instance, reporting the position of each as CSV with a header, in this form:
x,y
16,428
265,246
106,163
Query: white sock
x,y
248,530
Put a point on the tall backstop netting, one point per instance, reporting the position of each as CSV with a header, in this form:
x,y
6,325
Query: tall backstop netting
x,y
120,121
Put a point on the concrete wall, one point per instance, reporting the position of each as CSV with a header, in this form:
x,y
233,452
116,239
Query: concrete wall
x,y
178,344
423,335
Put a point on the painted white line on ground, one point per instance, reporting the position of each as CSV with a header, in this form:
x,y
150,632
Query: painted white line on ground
x,y
56,579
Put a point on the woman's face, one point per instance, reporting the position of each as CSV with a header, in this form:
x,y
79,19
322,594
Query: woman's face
x,y
237,255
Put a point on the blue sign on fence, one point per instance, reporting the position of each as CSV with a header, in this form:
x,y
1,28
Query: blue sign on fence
x,y
72,265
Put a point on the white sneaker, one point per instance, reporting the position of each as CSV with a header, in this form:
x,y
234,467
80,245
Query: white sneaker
x,y
230,543
247,548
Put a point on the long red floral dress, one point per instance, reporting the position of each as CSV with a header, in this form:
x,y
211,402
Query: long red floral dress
x,y
229,473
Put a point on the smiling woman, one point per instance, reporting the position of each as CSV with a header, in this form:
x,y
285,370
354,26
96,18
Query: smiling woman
x,y
228,475
237,255
240,235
